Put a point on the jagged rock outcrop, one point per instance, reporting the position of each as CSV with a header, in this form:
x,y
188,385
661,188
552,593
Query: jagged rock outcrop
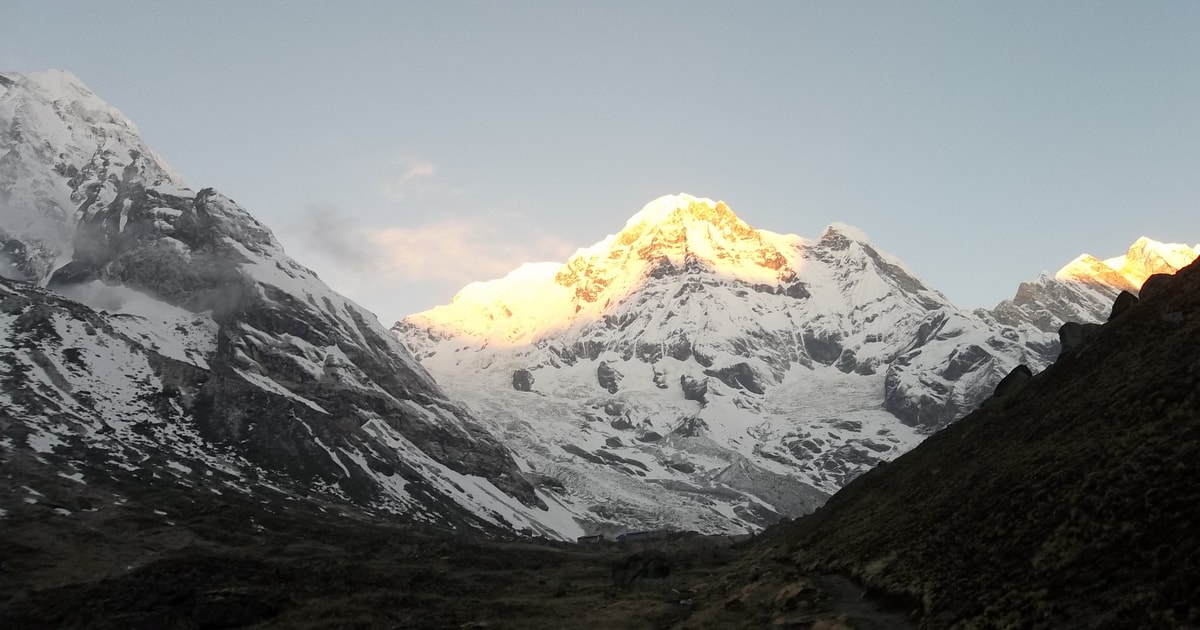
x,y
1123,303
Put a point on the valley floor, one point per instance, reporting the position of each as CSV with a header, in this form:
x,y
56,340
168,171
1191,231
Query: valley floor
x,y
75,557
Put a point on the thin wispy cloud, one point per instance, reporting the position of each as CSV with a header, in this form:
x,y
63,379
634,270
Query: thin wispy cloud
x,y
407,178
458,251
451,251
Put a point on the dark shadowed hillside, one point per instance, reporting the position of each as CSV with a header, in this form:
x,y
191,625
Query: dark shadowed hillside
x,y
1074,502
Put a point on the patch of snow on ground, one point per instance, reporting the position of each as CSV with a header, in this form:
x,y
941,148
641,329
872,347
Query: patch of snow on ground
x,y
77,477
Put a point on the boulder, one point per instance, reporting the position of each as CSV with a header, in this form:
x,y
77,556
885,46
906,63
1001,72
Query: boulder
x,y
1014,382
1155,286
1122,304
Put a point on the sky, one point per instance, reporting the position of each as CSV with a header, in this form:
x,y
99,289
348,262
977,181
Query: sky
x,y
404,149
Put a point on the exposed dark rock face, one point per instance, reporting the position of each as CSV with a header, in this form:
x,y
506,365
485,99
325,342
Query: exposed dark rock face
x,y
922,406
822,348
797,290
694,389
847,362
964,361
650,436
848,425
1048,303
608,377
739,375
522,380
690,427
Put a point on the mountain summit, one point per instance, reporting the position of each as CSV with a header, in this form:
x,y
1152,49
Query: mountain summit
x,y
1084,289
668,236
177,346
1145,258
63,149
745,372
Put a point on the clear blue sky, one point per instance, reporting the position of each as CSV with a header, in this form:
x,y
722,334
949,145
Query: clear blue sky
x,y
981,142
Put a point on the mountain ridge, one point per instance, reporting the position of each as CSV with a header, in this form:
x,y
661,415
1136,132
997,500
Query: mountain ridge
x,y
689,324
243,372
1063,503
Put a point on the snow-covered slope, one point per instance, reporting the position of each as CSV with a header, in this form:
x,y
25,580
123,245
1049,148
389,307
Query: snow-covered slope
x,y
748,372
179,337
1084,290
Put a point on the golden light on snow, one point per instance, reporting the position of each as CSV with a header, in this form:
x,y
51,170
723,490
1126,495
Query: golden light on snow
x,y
1144,258
670,235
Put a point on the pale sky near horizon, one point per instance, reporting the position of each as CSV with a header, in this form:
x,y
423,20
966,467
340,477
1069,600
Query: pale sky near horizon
x,y
403,149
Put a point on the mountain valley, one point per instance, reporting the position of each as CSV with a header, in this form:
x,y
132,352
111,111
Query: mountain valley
x,y
198,432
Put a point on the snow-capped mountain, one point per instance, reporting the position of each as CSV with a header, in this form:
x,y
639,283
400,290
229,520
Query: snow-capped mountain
x,y
147,326
749,373
1084,290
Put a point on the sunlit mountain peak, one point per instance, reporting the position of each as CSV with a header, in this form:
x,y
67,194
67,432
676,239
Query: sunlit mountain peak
x,y
675,231
671,236
1144,258
684,209
1147,257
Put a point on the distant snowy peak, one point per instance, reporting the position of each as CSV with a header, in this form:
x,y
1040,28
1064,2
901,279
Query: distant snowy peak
x,y
1147,257
63,148
675,231
1144,258
51,105
1091,270
1083,290
670,235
